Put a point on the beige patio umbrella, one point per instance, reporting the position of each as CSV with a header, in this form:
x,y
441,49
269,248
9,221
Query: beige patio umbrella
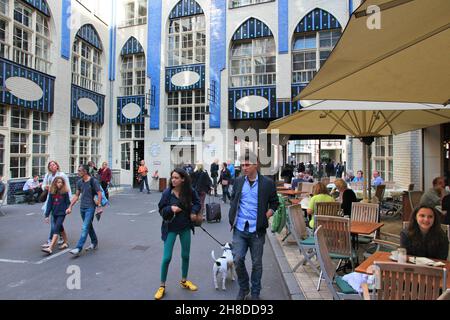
x,y
406,60
364,121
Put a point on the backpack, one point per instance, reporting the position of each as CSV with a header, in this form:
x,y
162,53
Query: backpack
x,y
279,217
104,200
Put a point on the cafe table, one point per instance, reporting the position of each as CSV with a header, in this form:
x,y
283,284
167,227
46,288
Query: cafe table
x,y
291,193
384,257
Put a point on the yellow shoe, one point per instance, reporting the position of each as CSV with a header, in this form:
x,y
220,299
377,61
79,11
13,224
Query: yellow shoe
x,y
160,293
188,285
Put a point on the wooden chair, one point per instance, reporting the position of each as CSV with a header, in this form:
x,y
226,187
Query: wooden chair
x,y
398,281
342,290
305,241
337,234
379,192
411,187
328,209
445,295
307,187
366,212
414,199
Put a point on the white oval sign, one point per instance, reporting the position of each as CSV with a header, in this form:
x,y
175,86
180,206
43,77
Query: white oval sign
x,y
87,106
131,111
24,88
185,78
252,104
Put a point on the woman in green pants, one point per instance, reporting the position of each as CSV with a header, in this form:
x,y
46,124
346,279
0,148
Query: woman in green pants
x,y
179,206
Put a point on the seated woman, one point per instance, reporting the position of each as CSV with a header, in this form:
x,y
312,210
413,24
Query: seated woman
x,y
346,196
424,236
320,194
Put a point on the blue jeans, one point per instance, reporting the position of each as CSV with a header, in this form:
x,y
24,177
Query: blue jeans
x,y
242,241
141,186
88,216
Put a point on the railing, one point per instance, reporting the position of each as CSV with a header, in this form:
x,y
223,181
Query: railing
x,y
134,22
22,57
42,65
86,83
303,76
4,50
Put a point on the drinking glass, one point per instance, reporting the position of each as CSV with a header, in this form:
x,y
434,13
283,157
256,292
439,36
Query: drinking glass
x,y
402,255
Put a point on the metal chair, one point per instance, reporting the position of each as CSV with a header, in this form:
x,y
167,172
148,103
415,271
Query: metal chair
x,y
398,281
342,290
305,241
337,234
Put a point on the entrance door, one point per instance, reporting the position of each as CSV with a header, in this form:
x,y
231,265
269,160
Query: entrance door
x,y
138,155
181,155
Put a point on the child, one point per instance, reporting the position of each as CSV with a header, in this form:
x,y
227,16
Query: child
x,y
58,202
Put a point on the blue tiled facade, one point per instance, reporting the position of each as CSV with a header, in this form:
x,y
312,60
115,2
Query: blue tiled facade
x,y
99,99
122,102
46,82
197,68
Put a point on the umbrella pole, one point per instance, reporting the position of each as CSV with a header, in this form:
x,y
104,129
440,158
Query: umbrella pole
x,y
367,154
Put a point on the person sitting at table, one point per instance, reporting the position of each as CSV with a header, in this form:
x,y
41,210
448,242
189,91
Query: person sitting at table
x,y
346,196
349,176
377,179
320,194
424,236
296,181
433,196
446,209
359,177
308,177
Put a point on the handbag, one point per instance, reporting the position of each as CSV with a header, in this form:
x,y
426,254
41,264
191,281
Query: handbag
x,y
43,196
225,182
139,178
198,219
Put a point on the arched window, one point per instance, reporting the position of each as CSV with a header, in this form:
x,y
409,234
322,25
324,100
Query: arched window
x,y
21,26
186,102
315,36
86,59
253,56
132,69
187,40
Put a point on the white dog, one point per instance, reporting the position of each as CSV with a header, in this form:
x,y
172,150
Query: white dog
x,y
223,265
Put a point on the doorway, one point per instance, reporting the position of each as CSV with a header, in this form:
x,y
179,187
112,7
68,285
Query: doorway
x,y
138,155
181,155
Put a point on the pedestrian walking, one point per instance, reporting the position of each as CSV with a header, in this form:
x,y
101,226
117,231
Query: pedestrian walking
x,y
54,171
93,171
224,180
201,182
254,201
179,206
105,177
143,177
215,174
87,189
58,203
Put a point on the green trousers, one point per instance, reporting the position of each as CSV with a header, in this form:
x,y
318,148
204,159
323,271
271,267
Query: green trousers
x,y
185,240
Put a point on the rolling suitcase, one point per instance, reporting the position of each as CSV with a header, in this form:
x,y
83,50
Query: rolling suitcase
x,y
213,211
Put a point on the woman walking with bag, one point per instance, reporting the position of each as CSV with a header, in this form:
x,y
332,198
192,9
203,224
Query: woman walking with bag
x,y
179,207
225,178
202,184
105,177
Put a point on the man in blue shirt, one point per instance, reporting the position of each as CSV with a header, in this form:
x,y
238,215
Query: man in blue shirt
x,y
253,201
377,180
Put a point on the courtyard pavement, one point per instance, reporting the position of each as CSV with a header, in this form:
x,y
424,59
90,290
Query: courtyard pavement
x,y
127,263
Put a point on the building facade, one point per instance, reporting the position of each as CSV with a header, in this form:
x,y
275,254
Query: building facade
x,y
166,81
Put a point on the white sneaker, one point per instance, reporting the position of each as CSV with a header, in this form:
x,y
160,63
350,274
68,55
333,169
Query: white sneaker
x,y
75,252
92,247
61,240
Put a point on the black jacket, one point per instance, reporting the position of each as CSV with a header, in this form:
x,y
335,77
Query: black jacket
x,y
268,199
201,181
214,170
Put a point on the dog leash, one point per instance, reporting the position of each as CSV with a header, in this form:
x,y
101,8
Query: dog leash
x,y
222,245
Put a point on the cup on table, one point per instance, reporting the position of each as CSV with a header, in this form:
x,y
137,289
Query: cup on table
x,y
394,255
402,257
